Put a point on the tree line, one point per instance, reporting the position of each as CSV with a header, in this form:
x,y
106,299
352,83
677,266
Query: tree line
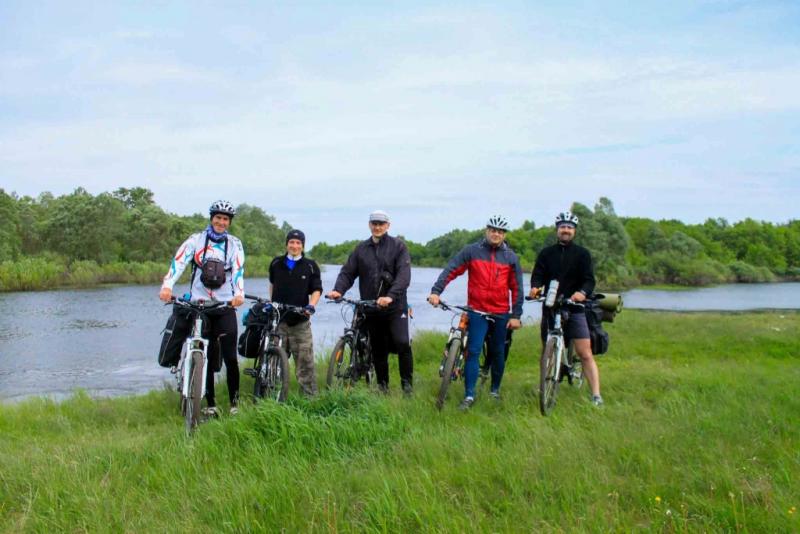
x,y
630,251
123,236
83,239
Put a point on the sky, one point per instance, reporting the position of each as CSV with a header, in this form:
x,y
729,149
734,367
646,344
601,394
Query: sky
x,y
440,113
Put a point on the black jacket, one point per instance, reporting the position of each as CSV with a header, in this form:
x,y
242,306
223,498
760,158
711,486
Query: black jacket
x,y
371,262
294,286
571,265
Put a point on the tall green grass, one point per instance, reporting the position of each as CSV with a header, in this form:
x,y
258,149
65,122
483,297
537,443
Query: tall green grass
x,y
699,433
37,273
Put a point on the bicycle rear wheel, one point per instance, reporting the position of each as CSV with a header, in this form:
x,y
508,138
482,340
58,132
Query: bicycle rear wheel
x,y
451,355
548,383
190,406
340,363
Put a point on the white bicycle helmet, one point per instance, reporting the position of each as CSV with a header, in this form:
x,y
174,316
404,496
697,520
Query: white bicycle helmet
x,y
498,222
222,206
566,217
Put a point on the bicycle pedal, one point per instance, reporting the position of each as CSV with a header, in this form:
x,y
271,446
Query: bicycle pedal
x,y
249,371
173,369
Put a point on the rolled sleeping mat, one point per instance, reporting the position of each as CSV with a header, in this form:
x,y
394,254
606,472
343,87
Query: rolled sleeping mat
x,y
610,302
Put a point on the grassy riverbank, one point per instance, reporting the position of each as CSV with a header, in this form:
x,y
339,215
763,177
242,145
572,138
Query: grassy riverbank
x,y
41,273
699,433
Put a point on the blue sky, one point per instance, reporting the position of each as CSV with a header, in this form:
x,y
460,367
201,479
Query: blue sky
x,y
440,113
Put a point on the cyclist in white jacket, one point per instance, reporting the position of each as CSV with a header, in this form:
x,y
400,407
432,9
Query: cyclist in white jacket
x,y
217,262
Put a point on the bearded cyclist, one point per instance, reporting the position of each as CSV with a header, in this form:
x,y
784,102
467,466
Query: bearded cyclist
x,y
217,261
571,265
494,280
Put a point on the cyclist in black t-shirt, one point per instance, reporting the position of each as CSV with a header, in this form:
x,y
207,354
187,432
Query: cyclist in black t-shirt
x,y
571,265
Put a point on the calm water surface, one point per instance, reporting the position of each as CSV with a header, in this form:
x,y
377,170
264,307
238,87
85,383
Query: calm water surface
x,y
106,340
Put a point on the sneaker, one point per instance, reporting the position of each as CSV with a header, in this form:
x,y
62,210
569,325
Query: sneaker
x,y
597,400
210,411
494,395
466,404
234,410
408,389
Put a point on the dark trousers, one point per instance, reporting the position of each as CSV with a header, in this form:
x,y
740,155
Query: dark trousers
x,y
221,329
390,332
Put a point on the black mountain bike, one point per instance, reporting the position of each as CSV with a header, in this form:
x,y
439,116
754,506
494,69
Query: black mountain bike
x,y
271,367
351,358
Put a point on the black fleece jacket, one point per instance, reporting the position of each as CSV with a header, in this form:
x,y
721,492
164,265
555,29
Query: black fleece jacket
x,y
570,264
369,261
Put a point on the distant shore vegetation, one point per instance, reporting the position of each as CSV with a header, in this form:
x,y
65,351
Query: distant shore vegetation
x,y
81,240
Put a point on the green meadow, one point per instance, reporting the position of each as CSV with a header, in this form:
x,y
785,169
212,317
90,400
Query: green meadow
x,y
699,433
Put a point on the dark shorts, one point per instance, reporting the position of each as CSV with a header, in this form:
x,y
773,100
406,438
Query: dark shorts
x,y
576,328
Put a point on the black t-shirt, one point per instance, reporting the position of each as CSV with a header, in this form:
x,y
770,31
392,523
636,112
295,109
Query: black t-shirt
x,y
293,286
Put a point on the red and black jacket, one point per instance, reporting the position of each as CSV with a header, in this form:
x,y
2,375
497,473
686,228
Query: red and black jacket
x,y
495,276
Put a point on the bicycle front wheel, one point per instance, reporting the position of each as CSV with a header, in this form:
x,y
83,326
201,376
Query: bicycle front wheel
x,y
451,355
548,381
190,406
272,380
340,363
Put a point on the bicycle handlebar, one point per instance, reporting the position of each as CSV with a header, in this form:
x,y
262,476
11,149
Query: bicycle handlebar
x,y
200,305
277,305
561,301
359,303
448,307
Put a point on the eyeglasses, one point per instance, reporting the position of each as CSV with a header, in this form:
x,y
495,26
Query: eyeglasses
x,y
378,223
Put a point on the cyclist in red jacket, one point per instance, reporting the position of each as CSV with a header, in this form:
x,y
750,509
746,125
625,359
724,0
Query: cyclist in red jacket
x,y
495,287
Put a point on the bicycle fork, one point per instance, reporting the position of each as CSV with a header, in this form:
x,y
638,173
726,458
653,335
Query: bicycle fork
x,y
197,345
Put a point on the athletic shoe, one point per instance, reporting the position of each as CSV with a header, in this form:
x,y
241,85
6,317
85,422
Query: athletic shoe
x,y
597,400
210,411
234,410
408,389
466,404
495,395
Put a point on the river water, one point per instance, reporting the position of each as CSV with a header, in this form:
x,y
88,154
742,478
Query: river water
x,y
106,340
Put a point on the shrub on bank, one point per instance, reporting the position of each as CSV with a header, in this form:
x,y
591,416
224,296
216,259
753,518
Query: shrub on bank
x,y
30,273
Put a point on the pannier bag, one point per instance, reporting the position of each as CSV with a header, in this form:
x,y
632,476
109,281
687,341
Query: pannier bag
x,y
255,321
178,328
597,335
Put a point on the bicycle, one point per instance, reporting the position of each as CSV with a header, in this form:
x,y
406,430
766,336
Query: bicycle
x,y
453,360
192,369
271,368
557,360
351,357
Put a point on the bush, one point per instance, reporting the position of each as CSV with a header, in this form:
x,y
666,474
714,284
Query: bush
x,y
746,273
30,273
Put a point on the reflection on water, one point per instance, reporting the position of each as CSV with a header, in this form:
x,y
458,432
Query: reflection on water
x,y
106,340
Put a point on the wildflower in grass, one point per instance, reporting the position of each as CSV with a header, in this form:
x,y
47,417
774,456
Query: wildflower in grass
x,y
792,510
657,499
